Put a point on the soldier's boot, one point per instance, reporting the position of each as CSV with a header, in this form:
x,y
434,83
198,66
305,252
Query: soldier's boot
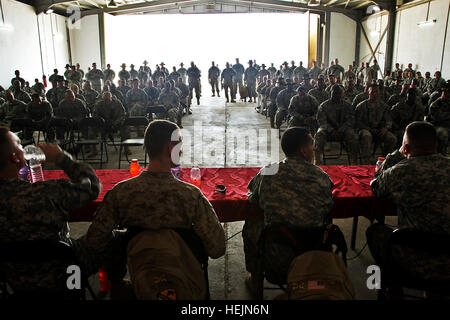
x,y
250,100
198,101
218,94
272,122
318,158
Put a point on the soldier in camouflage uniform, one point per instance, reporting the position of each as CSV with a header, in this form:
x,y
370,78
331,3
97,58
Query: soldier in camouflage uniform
x,y
286,71
283,102
238,78
113,112
319,91
250,75
174,75
299,194
75,77
398,97
166,203
133,73
405,112
109,73
227,77
51,95
39,211
170,100
72,108
350,91
12,109
272,107
265,91
136,100
184,94
142,75
147,69
90,95
152,93
440,117
303,110
349,73
76,92
158,74
213,79
183,72
40,112
362,96
272,70
314,71
194,75
306,83
300,71
261,85
123,88
373,122
95,76
336,120
54,77
263,72
124,74
412,178
68,72
436,84
39,87
19,94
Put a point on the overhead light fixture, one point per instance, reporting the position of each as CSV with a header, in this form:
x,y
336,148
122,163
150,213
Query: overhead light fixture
x,y
314,3
427,23
48,11
112,4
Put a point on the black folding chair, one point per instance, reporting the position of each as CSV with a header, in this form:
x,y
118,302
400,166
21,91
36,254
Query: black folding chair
x,y
26,128
96,135
157,112
294,242
429,247
128,125
36,253
63,129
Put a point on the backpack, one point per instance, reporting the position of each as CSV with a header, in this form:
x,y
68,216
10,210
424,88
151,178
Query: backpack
x,y
319,275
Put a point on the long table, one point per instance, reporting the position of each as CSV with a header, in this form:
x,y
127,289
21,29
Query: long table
x,y
352,194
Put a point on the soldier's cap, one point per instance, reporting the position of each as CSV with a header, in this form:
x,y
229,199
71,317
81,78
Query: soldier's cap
x,y
162,63
289,82
302,89
181,64
280,80
263,65
60,78
285,62
250,61
123,65
131,65
306,76
67,66
145,61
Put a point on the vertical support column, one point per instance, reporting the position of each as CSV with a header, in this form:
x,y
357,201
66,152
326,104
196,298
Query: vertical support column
x,y
357,43
327,38
101,30
69,48
320,36
390,39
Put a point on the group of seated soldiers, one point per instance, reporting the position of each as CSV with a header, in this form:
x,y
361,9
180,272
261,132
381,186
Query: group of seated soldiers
x,y
356,115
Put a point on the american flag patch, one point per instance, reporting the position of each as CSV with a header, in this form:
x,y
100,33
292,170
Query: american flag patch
x,y
315,285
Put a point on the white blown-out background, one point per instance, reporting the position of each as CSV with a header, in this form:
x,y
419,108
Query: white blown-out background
x,y
202,38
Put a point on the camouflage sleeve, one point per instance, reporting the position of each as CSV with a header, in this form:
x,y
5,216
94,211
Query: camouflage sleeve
x,y
100,232
322,117
359,121
381,184
207,226
83,187
350,121
391,160
387,117
435,112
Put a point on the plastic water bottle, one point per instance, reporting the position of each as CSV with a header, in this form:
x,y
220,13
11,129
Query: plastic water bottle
x,y
196,176
379,163
105,285
24,173
35,156
177,172
134,168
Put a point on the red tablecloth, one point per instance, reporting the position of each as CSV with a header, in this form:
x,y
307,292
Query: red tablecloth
x,y
352,194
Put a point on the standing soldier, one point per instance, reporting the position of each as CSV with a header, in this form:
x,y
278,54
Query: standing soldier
x,y
194,75
263,73
67,72
174,75
237,80
183,72
272,71
272,106
349,73
336,120
164,69
133,72
158,74
250,75
75,76
109,73
142,75
80,71
286,71
147,69
54,76
373,122
314,72
213,78
303,111
300,71
95,76
227,77
124,74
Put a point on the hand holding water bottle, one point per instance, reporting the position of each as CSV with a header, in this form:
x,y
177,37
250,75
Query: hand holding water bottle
x,y
51,151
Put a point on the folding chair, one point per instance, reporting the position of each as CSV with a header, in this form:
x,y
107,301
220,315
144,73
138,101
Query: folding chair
x,y
159,111
127,125
26,128
62,127
36,253
95,129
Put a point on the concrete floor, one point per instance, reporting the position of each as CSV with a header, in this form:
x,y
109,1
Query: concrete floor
x,y
212,125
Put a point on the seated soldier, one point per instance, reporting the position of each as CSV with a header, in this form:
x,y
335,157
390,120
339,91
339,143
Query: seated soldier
x,y
283,103
39,211
319,92
361,96
398,97
415,178
184,94
152,93
373,122
90,95
303,110
40,112
155,200
336,120
136,100
272,107
169,99
440,117
19,93
293,192
403,113
12,109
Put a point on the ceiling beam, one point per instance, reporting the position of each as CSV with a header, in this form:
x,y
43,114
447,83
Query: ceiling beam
x,y
329,3
363,4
